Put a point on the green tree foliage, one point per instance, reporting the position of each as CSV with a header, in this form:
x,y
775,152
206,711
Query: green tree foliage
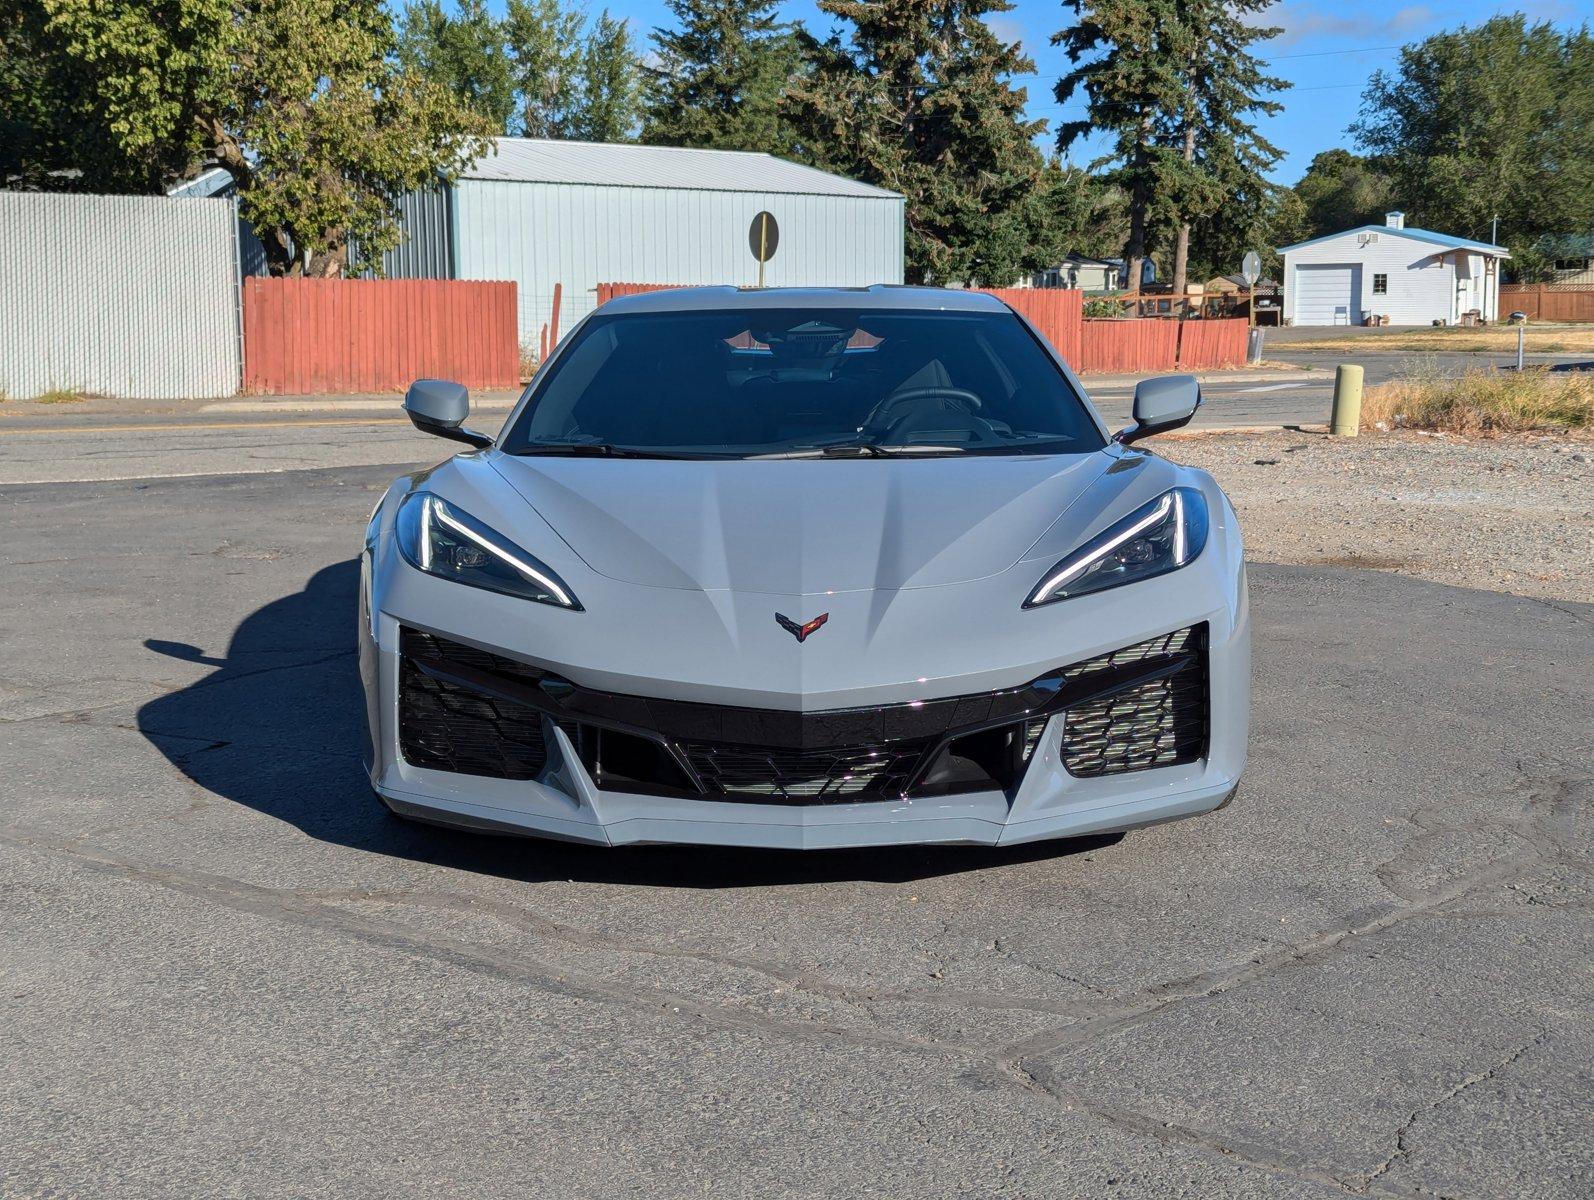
x,y
1485,120
1176,85
547,43
719,77
611,84
464,49
1219,181
1118,51
1341,190
304,101
540,71
918,98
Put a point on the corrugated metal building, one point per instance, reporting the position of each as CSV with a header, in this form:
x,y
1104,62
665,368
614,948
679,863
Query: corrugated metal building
x,y
579,214
121,295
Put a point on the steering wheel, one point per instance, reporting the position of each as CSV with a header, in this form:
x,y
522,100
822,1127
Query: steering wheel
x,y
876,420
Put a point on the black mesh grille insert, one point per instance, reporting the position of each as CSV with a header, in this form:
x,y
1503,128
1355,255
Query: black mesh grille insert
x,y
1156,724
446,727
760,772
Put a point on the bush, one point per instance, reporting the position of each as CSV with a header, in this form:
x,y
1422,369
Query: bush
x,y
1482,401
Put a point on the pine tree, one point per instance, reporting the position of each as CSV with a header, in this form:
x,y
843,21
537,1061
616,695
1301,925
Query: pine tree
x,y
919,99
1175,84
720,76
1120,55
1221,155
610,98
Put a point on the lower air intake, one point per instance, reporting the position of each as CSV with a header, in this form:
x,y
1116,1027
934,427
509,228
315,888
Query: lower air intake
x,y
446,727
1160,723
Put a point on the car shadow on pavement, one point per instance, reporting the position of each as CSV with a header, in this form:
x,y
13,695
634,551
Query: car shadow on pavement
x,y
278,727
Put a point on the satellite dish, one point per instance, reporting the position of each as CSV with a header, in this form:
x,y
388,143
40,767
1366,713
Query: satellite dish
x,y
1251,268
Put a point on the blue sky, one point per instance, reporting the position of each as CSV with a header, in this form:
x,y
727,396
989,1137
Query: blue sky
x,y
1328,49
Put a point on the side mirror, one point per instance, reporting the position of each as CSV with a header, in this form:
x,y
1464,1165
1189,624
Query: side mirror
x,y
440,406
1160,405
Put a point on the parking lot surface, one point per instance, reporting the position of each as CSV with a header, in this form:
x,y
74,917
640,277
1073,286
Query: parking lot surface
x,y
227,971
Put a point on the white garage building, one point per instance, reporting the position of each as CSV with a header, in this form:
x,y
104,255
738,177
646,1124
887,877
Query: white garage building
x,y
1410,276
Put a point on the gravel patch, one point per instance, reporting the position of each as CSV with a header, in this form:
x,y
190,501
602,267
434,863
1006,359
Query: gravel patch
x,y
1505,514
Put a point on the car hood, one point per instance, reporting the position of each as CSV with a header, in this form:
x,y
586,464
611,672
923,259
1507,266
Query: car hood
x,y
801,527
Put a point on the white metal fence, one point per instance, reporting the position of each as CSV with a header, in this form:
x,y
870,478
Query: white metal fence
x,y
131,296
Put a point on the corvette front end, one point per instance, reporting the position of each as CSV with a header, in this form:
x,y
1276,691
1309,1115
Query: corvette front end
x,y
808,653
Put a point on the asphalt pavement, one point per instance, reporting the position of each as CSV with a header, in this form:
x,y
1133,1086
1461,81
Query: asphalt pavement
x,y
227,971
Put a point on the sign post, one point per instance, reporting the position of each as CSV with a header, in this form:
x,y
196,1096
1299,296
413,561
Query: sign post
x,y
1251,271
763,235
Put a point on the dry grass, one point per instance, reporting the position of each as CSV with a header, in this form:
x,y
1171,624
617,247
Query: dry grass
x,y
1541,339
62,396
1482,401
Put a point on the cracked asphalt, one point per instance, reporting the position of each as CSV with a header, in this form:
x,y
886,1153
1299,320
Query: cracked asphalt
x,y
226,971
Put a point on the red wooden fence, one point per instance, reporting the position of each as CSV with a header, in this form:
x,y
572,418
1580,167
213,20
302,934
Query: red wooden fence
x,y
1054,311
377,335
608,291
1208,344
1128,346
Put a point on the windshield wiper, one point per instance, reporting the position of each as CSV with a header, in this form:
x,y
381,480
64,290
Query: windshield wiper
x,y
864,450
589,450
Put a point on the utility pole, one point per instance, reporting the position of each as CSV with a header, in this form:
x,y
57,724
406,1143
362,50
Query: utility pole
x,y
1494,230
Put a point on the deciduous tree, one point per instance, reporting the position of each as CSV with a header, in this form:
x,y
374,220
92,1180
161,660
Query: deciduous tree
x,y
303,101
1495,119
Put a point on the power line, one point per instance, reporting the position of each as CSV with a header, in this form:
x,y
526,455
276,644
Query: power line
x,y
1326,53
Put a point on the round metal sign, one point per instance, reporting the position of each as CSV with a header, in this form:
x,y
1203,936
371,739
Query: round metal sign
x,y
763,235
1251,268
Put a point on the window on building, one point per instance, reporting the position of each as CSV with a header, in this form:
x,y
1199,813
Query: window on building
x,y
1380,285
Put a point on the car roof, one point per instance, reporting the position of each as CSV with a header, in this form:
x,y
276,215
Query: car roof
x,y
876,296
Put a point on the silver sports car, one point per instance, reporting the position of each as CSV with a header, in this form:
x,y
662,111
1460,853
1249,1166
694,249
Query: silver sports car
x,y
804,568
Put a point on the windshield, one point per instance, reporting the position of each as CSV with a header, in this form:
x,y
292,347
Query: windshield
x,y
804,382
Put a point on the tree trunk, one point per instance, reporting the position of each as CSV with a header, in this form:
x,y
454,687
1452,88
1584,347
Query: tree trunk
x,y
1181,263
1181,253
1135,248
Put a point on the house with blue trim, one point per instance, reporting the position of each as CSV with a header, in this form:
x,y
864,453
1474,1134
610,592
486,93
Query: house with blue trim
x,y
1403,276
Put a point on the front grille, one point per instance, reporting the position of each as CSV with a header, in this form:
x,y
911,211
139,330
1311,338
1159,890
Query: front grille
x,y
446,727
468,710
1159,723
754,772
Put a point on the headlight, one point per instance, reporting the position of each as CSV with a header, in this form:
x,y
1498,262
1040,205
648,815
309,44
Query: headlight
x,y
1157,538
439,539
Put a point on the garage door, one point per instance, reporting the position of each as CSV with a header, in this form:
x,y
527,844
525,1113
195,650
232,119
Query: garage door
x,y
1328,294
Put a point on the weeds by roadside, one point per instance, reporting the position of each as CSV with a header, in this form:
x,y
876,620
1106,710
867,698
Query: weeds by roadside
x,y
62,396
1481,401
1540,339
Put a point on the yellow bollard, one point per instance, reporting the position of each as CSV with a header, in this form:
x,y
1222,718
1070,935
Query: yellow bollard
x,y
1347,418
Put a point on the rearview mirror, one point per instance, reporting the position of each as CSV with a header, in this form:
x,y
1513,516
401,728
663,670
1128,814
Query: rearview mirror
x,y
1161,404
440,406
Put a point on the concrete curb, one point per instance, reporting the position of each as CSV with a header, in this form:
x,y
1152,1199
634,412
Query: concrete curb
x,y
1305,375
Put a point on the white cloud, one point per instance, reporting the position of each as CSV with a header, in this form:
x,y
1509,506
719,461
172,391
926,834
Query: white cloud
x,y
1301,22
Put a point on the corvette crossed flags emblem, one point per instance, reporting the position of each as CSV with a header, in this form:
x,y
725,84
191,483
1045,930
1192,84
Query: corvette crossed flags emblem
x,y
800,632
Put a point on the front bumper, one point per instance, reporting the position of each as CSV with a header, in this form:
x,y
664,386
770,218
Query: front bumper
x,y
1045,801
